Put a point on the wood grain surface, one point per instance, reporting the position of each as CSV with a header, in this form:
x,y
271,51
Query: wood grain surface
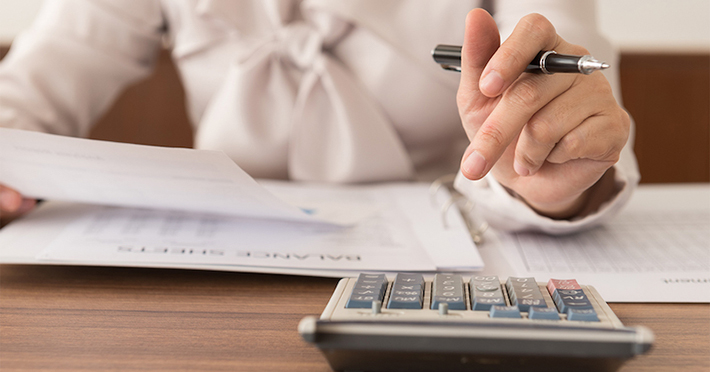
x,y
64,318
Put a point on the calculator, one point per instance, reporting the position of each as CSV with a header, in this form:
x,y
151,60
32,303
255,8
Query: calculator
x,y
448,322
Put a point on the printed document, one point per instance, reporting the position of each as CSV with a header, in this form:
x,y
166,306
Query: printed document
x,y
655,250
121,204
63,168
388,240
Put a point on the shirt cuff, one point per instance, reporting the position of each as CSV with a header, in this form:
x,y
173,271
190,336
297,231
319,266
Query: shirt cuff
x,y
505,212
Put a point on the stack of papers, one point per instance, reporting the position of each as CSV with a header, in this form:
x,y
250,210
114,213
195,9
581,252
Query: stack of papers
x,y
130,205
116,204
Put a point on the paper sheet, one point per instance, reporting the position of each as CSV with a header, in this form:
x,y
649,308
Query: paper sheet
x,y
55,167
656,250
404,234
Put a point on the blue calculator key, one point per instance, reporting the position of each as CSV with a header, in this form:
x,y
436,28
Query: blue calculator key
x,y
360,302
407,292
404,302
455,303
584,315
486,292
571,298
368,288
526,304
406,287
409,279
372,281
484,304
366,292
448,288
524,293
546,313
505,312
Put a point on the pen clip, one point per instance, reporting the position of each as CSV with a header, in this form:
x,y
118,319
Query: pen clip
x,y
451,67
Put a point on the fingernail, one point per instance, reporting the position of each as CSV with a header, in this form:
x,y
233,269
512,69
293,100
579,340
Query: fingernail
x,y
9,202
26,205
474,165
520,169
492,84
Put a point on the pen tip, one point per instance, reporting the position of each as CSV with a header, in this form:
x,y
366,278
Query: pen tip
x,y
604,65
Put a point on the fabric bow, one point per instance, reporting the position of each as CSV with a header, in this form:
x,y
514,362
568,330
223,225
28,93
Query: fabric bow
x,y
289,109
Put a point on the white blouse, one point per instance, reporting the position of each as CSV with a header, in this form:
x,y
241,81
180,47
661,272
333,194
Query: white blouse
x,y
311,90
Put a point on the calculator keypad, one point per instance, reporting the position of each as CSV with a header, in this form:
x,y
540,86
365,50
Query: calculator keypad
x,y
518,298
458,322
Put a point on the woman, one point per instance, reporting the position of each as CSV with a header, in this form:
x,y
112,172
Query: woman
x,y
345,91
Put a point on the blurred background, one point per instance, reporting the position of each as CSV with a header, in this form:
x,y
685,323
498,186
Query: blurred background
x,y
665,77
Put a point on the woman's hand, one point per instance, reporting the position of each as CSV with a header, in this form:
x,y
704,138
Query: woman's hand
x,y
548,138
13,205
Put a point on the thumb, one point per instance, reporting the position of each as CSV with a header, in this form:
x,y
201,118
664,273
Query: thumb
x,y
481,40
10,200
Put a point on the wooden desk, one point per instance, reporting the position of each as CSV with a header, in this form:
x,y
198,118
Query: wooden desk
x,y
92,318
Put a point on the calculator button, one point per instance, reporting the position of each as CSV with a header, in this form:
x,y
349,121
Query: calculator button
x,y
405,302
410,279
484,304
485,292
368,288
448,288
555,284
504,312
546,313
455,303
571,298
407,292
524,293
360,302
585,315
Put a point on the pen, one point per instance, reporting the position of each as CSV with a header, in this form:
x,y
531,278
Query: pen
x,y
547,62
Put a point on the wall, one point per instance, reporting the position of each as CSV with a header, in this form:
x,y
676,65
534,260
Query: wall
x,y
633,25
656,25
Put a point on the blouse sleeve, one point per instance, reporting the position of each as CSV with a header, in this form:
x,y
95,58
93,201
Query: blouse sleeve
x,y
62,73
575,21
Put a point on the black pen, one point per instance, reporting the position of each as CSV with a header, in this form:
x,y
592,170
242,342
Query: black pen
x,y
547,62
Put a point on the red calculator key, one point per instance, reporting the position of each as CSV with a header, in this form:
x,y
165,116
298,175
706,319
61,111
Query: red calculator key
x,y
554,284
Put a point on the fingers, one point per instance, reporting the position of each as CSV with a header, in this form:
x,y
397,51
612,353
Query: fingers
x,y
10,200
559,117
12,203
491,121
600,138
544,117
531,35
480,42
518,104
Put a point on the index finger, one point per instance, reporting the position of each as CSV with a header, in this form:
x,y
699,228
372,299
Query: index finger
x,y
531,35
481,40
